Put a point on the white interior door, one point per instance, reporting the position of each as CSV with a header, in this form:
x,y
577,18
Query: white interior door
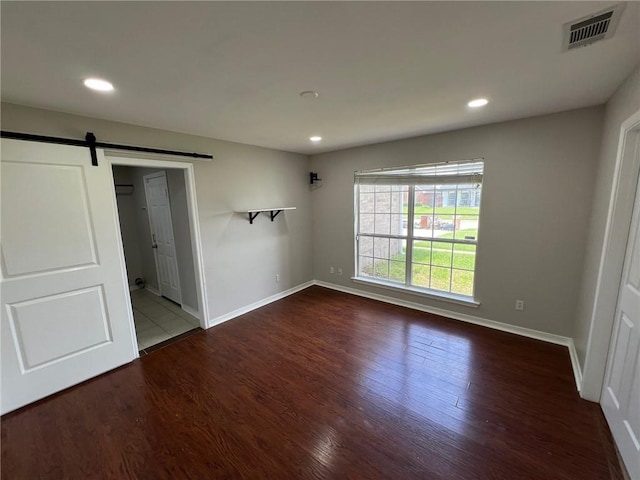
x,y
159,208
621,394
66,313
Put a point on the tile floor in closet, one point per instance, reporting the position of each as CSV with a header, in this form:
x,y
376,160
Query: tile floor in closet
x,y
158,319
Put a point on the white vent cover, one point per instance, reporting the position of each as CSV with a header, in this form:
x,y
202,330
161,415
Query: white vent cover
x,y
591,28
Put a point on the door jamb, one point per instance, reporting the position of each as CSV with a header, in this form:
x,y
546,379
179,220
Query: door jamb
x,y
194,221
621,201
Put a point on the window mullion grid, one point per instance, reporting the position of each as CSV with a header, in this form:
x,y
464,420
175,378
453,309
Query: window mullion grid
x,y
375,233
357,228
433,214
390,217
445,240
409,247
383,235
455,235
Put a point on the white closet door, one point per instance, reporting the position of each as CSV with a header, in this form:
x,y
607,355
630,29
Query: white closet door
x,y
159,208
66,311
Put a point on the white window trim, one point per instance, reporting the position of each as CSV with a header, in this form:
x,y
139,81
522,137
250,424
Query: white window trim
x,y
421,292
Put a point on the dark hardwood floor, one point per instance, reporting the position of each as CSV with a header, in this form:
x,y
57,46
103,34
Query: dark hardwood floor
x,y
322,385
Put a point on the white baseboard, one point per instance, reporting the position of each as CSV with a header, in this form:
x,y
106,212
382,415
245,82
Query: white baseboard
x,y
261,303
525,332
575,363
133,287
191,311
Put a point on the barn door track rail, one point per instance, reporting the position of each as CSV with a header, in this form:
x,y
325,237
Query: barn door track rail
x,y
91,143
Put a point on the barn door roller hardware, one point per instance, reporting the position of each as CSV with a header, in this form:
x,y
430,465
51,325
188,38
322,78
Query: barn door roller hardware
x,y
91,143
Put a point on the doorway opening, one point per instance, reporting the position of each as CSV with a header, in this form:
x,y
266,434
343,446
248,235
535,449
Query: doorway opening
x,y
158,224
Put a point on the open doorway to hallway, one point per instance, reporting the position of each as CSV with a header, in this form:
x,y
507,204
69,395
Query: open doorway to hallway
x,y
158,249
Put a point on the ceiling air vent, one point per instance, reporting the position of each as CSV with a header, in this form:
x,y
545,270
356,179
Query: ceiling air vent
x,y
591,28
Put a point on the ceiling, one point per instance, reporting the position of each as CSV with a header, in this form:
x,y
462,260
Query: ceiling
x,y
383,70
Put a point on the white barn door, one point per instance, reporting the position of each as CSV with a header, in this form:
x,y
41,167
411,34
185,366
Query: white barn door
x,y
66,311
159,208
621,393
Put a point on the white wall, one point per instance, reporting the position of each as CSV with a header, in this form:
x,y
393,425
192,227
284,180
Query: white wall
x,y
127,213
240,260
536,201
624,102
543,166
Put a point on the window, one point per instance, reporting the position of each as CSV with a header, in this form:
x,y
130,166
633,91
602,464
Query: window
x,y
417,227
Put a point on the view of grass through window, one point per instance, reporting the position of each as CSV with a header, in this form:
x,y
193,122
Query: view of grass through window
x,y
419,235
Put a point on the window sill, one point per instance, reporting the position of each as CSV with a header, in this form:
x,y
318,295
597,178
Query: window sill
x,y
442,296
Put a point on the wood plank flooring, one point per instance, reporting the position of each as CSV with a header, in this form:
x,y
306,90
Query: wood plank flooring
x,y
322,385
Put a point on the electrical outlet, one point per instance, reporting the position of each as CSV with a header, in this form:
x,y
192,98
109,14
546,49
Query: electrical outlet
x,y
331,270
520,305
277,278
339,271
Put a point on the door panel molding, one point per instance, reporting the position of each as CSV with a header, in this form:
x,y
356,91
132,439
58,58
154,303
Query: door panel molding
x,y
29,249
61,344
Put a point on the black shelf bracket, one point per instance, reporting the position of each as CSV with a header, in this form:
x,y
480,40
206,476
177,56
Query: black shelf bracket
x,y
274,214
252,217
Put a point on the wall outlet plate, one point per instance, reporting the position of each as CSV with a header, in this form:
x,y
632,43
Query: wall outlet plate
x,y
520,305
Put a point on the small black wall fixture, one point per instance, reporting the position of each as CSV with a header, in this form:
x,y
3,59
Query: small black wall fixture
x,y
313,177
91,143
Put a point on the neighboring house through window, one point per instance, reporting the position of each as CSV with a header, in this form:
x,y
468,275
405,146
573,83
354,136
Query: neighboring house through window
x,y
417,227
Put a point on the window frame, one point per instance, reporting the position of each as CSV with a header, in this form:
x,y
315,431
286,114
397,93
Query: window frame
x,y
410,237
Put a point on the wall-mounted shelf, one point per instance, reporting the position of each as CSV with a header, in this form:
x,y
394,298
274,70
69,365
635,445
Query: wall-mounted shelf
x,y
273,212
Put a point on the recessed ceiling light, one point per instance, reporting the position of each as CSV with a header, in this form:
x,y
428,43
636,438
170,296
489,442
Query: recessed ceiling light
x,y
309,94
98,84
315,139
478,102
